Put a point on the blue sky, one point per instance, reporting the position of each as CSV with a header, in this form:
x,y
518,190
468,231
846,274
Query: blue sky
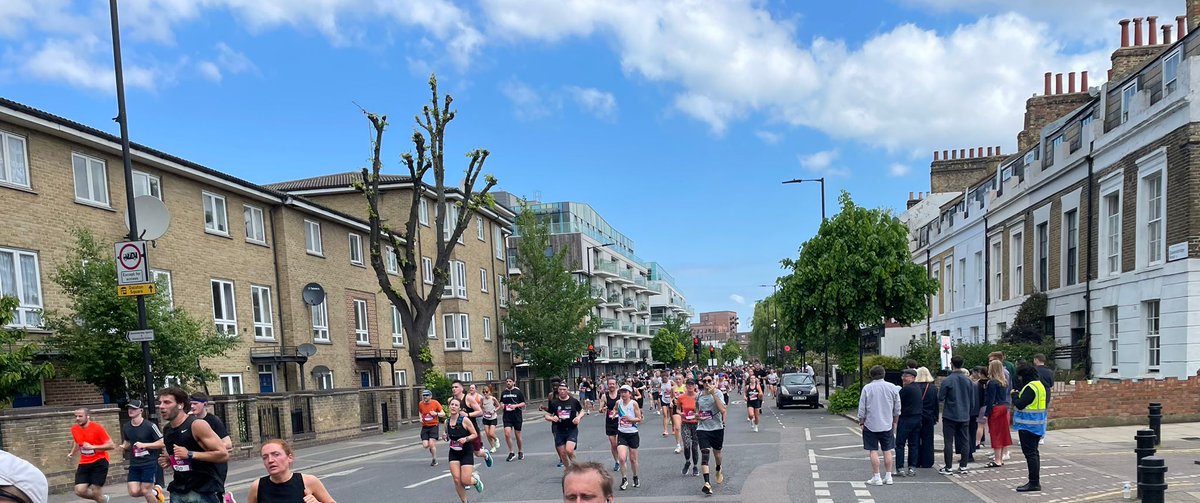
x,y
675,119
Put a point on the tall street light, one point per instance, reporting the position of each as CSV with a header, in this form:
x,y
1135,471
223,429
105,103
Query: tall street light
x,y
588,251
773,340
822,182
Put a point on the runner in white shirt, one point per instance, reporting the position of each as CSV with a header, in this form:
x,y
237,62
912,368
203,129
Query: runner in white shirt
x,y
628,417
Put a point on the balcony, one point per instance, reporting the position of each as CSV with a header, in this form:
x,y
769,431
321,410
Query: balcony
x,y
276,354
640,283
627,327
628,305
624,276
645,354
609,325
513,268
601,351
614,300
617,353
643,309
377,355
598,293
606,270
657,318
631,353
643,330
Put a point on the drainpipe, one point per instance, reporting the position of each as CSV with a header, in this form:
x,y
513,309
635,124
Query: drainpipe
x,y
1087,296
987,280
928,319
278,298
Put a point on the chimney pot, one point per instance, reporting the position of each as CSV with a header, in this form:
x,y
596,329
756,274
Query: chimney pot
x,y
989,151
1124,32
971,153
1083,83
1152,22
1181,24
1137,32
997,149
962,153
1047,92
1166,30
980,150
1071,82
935,158
945,155
1058,83
910,194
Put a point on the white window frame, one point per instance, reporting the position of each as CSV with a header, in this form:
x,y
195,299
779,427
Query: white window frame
x,y
29,307
231,384
450,335
390,261
1070,218
312,238
432,333
464,332
1153,317
480,229
92,167
152,184
487,329
962,282
937,294
7,166
1171,62
1111,227
319,315
460,287
949,285
397,329
1016,247
498,237
401,377
484,279
264,322
502,290
228,302
489,375
324,379
1151,214
451,212
1042,256
1112,319
219,223
256,229
997,260
1127,94
164,287
362,331
354,241
423,211
427,270
979,274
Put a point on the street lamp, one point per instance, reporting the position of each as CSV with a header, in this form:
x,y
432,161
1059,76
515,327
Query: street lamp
x,y
822,182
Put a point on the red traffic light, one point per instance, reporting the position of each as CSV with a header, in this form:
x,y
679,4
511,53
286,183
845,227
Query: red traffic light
x,y
712,350
695,342
591,347
787,349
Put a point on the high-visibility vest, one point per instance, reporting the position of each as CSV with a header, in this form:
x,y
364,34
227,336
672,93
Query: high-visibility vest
x,y
1033,417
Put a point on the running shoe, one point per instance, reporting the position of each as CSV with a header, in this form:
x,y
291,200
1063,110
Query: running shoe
x,y
624,483
559,465
616,467
160,494
494,447
107,498
912,472
521,455
686,465
678,448
946,470
635,482
478,482
707,488
887,481
433,462
720,477
875,481
487,458
510,456
695,471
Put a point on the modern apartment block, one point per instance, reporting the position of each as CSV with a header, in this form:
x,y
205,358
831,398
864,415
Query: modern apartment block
x,y
670,303
1097,210
245,274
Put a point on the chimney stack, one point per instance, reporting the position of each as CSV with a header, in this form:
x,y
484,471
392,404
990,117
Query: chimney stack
x,y
962,153
945,155
1153,29
1047,92
972,156
935,159
1083,84
1181,23
989,151
1166,29
1193,15
1058,83
1071,82
1124,32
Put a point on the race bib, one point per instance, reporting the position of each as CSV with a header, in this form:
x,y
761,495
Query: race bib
x,y
509,407
564,414
754,395
139,452
612,414
705,415
689,415
489,415
455,445
624,421
87,452
427,418
180,465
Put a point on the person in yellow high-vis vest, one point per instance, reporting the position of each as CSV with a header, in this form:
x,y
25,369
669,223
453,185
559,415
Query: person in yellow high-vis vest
x,y
1030,422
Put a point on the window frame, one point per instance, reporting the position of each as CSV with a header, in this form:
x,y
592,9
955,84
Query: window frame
x,y
6,167
401,377
321,309
487,329
1113,321
427,270
431,334
1070,247
997,273
1150,218
227,304
26,308
152,182
502,290
1111,227
354,240
227,381
423,211
324,379
169,290
1016,246
498,237
1169,85
480,229
484,279
1126,97
258,222
1153,317
949,285
1042,256
397,328
219,228
979,273
88,167
261,295
391,263
362,325
312,239
464,332
449,335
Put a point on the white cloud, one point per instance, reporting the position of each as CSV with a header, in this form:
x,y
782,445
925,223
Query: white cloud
x,y
599,103
897,169
1088,21
768,137
75,63
738,299
209,70
529,104
822,163
228,61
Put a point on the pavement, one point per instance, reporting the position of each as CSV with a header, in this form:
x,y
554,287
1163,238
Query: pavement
x,y
798,455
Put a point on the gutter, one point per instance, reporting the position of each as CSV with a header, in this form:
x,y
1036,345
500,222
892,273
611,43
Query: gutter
x,y
987,277
278,297
1087,296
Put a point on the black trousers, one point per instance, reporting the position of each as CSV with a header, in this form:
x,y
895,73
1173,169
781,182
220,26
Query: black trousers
x,y
908,435
956,438
1029,447
925,443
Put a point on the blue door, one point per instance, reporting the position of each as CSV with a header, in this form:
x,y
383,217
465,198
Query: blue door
x,y
266,383
365,377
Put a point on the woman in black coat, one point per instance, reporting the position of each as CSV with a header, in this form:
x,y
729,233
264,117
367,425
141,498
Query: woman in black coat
x,y
929,417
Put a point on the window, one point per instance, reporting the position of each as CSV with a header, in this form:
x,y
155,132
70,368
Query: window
x,y
1152,223
423,212
14,165
1110,317
937,303
216,221
231,384
145,184
264,325
312,237
479,228
464,332
1170,70
20,278
356,255
401,378
1153,343
484,279
487,329
489,375
997,270
1127,95
461,376
254,224
457,286
320,322
397,328
427,270
1071,231
361,334
224,307
432,327
1110,232
498,241
163,280
975,335
456,332
390,260
949,285
1043,256
979,273
502,290
449,338
324,377
962,281
1018,265
175,381
451,222
91,180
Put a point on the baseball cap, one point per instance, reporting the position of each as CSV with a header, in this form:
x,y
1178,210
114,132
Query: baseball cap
x,y
910,372
626,388
24,476
134,404
426,393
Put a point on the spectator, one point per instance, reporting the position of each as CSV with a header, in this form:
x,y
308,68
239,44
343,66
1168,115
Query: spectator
x,y
1030,420
878,414
587,482
929,417
958,397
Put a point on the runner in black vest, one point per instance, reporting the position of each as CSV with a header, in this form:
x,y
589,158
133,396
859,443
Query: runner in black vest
x,y
609,409
193,450
282,485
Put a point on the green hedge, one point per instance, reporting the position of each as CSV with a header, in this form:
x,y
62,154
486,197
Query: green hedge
x,y
845,399
928,353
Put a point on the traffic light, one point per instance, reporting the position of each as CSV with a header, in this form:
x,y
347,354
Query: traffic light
x,y
696,344
592,352
711,351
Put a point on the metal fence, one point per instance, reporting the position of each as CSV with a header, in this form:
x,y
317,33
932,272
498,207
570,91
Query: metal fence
x,y
302,428
269,422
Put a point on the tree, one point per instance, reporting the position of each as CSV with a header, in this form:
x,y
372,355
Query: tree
x,y
455,206
1028,325
18,372
678,328
90,335
549,313
662,346
731,352
855,272
763,337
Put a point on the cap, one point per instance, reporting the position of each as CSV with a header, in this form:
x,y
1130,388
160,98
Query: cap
x,y
910,372
134,404
426,393
24,476
626,388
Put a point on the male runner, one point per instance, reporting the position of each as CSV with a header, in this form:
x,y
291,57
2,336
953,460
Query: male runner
x,y
192,449
431,411
473,411
200,411
711,429
610,420
656,393
513,401
137,434
565,412
92,443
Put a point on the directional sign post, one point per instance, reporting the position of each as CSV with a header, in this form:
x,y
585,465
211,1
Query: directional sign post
x,y
139,335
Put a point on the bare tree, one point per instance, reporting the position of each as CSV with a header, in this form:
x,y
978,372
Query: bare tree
x,y
417,309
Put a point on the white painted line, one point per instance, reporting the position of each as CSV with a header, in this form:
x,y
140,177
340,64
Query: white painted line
x,y
866,501
822,492
820,485
807,435
423,482
825,500
856,446
816,475
341,473
814,467
858,485
862,493
833,435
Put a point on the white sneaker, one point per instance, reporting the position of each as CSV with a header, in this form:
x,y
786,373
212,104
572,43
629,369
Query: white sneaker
x,y
756,428
887,481
875,481
678,448
1007,455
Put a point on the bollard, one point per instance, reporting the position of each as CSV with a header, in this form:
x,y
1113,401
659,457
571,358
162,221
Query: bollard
x,y
1145,448
1153,487
1156,421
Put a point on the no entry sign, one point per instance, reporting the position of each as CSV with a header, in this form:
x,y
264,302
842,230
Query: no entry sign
x,y
132,267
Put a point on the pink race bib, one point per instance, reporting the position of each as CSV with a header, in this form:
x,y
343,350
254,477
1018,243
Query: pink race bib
x,y
564,414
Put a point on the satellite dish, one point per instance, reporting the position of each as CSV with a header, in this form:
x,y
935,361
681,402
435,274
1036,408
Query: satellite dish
x,y
313,294
306,350
152,217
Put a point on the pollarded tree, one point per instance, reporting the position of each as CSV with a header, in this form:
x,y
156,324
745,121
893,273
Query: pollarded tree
x,y
455,206
855,272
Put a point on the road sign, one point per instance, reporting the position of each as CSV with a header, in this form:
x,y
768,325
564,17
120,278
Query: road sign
x,y
137,290
132,267
139,335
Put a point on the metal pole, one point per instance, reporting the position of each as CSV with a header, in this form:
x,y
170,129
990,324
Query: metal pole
x,y
133,234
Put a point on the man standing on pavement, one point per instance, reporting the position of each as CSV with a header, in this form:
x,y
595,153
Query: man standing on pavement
x,y
1046,376
1030,422
431,411
958,397
878,415
200,411
513,401
138,434
908,432
565,412
192,449
92,443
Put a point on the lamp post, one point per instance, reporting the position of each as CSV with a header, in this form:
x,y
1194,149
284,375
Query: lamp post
x,y
822,182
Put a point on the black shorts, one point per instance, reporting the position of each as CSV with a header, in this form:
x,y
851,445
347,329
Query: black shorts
x,y
754,404
711,439
513,420
564,435
610,428
656,396
464,456
878,440
429,432
93,474
490,422
630,440
142,474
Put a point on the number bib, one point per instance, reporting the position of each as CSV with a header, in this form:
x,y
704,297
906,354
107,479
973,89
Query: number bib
x,y
705,415
509,407
455,445
564,414
139,452
180,465
689,415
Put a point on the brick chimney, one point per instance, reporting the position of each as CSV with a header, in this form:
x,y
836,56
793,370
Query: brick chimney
x,y
962,168
1193,15
1130,57
1052,104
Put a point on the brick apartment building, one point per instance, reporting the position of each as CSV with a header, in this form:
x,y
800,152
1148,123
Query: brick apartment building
x,y
246,275
716,328
1097,209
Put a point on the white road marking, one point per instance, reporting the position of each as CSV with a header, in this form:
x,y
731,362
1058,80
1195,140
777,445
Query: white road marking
x,y
807,435
862,492
343,472
841,447
423,482
820,484
833,435
822,492
858,485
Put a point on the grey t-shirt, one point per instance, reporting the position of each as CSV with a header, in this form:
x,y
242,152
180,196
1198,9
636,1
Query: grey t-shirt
x,y
145,433
708,414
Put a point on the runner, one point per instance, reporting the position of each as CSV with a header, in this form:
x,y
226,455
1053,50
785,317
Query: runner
x,y
772,384
609,409
471,408
665,398
513,400
490,404
711,430
685,408
656,394
200,411
92,443
565,412
137,434
192,449
431,412
629,415
754,394
282,485
462,434
677,391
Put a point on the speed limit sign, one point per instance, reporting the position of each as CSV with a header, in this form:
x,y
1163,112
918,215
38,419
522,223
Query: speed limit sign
x,y
132,266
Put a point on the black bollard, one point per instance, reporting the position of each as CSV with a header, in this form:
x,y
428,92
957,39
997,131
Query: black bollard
x,y
1156,421
1153,487
1145,448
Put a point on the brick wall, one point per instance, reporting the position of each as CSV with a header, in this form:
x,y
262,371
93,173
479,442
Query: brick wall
x,y
1109,403
42,436
69,392
1044,109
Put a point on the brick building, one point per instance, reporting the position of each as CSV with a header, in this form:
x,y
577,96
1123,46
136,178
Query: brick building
x,y
716,328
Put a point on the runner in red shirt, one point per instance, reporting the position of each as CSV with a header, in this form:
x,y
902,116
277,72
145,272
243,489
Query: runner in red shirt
x,y
92,443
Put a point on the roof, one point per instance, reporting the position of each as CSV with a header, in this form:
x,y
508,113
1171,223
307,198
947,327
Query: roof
x,y
336,180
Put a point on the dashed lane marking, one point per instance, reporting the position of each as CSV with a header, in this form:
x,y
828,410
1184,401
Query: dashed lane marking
x,y
426,481
807,435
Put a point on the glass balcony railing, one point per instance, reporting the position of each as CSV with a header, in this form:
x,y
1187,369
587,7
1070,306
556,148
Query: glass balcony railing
x,y
617,353
631,353
643,330
607,268
598,292
609,324
626,275
626,327
614,298
640,281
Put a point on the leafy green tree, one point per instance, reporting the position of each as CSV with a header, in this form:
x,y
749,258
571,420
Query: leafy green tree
x,y
662,347
855,272
548,316
1028,325
730,352
681,352
18,372
90,335
678,328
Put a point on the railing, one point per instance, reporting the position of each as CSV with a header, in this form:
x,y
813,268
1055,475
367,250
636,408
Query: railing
x,y
657,318
626,327
270,423
644,307
609,323
631,353
630,302
598,292
601,351
302,417
616,353
643,329
626,275
607,267
640,280
646,354
614,298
